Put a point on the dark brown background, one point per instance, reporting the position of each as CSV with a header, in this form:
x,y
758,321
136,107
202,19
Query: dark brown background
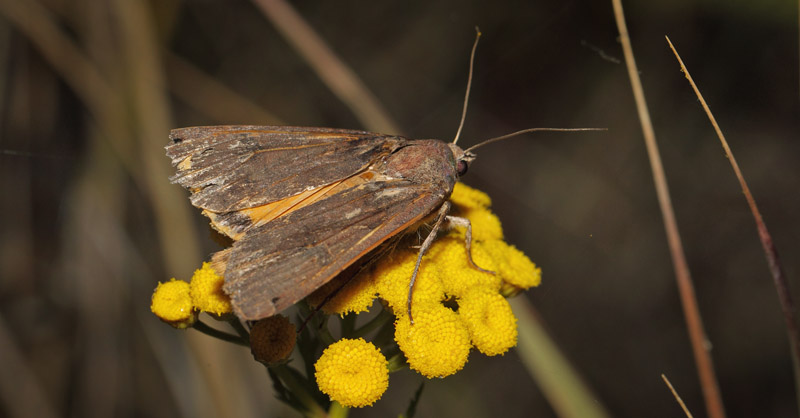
x,y
85,233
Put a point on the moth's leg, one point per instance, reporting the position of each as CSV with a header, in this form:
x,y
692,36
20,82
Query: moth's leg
x,y
464,222
440,217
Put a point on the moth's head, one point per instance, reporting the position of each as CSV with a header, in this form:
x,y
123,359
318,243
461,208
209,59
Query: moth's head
x,y
462,159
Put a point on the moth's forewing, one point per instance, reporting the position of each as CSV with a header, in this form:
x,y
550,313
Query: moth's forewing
x,y
245,175
229,168
304,203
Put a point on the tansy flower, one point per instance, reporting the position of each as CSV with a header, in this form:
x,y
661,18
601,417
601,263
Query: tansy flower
x,y
449,254
392,275
206,291
352,372
356,296
272,339
474,205
485,224
438,343
172,304
469,198
515,268
492,326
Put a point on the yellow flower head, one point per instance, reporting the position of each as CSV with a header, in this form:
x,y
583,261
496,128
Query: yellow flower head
x,y
469,198
438,343
492,326
485,224
272,339
352,372
515,268
449,254
356,296
392,275
172,304
207,294
474,205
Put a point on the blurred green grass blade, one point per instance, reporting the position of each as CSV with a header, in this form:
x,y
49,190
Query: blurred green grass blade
x,y
558,380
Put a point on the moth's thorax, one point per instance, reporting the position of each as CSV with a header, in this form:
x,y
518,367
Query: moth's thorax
x,y
425,161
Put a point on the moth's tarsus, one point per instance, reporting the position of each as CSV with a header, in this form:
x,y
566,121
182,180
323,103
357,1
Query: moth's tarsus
x,y
459,221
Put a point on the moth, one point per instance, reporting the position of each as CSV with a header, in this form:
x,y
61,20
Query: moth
x,y
303,204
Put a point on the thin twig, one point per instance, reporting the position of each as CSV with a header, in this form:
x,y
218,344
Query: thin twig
x,y
677,397
340,78
697,335
771,253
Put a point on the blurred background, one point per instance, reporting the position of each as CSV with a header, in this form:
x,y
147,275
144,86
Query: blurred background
x,y
89,222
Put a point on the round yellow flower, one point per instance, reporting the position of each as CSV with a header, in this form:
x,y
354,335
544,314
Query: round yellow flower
x,y
272,339
491,323
392,275
514,267
469,198
172,304
438,343
485,224
449,254
356,296
352,372
474,205
206,291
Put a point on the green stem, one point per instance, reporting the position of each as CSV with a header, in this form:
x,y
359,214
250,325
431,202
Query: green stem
x,y
325,335
240,329
222,335
312,408
380,320
396,362
337,410
385,335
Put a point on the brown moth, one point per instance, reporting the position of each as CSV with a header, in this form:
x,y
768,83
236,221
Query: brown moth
x,y
303,204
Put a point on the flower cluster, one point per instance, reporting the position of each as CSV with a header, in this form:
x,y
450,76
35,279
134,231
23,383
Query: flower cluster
x,y
458,302
455,306
177,302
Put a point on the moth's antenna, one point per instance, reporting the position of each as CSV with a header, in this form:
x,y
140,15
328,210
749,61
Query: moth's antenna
x,y
524,131
469,83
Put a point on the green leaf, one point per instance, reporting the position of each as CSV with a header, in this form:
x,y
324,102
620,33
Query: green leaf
x,y
412,406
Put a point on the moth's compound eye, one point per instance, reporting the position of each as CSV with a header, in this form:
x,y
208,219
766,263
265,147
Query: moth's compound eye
x,y
461,167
